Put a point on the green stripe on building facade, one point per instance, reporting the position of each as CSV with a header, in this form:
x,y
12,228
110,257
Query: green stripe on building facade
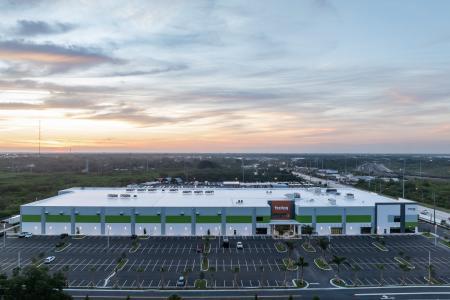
x,y
208,219
303,219
329,219
87,219
117,219
178,219
57,219
148,219
239,219
358,218
31,218
265,219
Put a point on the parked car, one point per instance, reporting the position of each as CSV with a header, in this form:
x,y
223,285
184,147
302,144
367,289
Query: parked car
x,y
199,249
25,234
63,235
49,259
239,245
424,212
181,281
226,242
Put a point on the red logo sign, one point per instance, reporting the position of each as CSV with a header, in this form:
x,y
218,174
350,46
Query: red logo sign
x,y
281,209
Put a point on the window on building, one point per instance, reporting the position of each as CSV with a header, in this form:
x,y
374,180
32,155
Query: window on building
x,y
261,230
396,219
259,219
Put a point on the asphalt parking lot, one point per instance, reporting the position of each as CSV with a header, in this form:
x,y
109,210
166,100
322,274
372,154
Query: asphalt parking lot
x,y
89,262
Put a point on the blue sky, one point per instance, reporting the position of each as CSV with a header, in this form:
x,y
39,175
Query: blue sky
x,y
219,76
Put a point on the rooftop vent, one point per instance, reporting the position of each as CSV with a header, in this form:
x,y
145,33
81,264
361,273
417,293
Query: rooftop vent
x,y
187,192
173,190
331,191
209,192
151,190
198,192
141,190
129,190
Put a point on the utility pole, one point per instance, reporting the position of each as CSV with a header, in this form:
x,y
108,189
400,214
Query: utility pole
x,y
39,138
4,235
242,160
434,217
18,259
403,185
429,267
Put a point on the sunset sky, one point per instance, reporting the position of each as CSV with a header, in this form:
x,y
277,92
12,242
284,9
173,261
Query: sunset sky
x,y
225,76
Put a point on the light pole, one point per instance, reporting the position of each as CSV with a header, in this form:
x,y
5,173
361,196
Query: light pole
x,y
108,238
18,259
4,235
403,181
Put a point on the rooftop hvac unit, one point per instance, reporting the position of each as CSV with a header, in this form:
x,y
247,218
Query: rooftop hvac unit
x,y
297,196
198,192
350,196
317,191
311,200
151,190
141,190
125,195
187,192
332,201
173,190
209,192
129,190
113,195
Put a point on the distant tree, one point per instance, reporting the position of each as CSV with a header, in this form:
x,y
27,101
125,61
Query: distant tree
x,y
301,264
34,283
338,260
323,244
174,297
380,268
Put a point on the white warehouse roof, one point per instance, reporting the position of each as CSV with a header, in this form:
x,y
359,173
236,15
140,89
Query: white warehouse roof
x,y
211,197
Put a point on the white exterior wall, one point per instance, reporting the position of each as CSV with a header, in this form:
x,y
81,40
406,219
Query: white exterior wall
x,y
355,228
241,228
57,228
33,227
152,229
89,228
118,228
202,228
325,228
178,229
383,213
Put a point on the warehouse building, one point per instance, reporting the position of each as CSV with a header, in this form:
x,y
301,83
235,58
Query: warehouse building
x,y
218,211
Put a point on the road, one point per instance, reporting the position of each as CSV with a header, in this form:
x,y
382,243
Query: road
x,y
330,293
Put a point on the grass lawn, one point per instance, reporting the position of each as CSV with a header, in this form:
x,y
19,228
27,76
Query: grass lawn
x,y
427,235
308,247
205,264
322,264
289,263
405,262
339,282
380,246
200,284
445,242
281,247
298,283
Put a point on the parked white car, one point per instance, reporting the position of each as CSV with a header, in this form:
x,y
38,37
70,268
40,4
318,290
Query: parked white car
x,y
49,259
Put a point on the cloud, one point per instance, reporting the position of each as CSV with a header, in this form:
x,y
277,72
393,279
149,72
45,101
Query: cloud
x,y
53,58
33,28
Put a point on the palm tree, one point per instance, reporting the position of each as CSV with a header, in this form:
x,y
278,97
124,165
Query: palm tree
x,y
285,269
261,272
162,270
355,269
323,244
235,272
290,248
212,270
404,268
92,270
301,264
338,260
380,267
308,230
139,271
186,275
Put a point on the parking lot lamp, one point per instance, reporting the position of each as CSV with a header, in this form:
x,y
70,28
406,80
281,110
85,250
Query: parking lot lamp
x,y
18,259
4,235
108,238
